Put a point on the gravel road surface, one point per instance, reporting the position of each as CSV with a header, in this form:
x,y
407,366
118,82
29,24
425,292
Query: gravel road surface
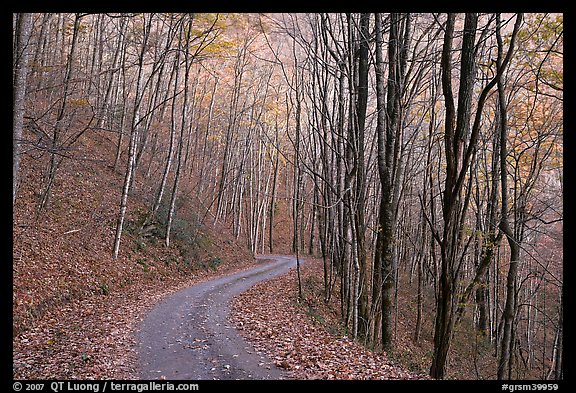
x,y
187,336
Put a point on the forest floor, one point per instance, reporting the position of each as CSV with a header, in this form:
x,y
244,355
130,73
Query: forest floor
x,y
305,337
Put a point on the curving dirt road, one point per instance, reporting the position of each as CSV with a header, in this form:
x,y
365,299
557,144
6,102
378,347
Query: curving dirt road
x,y
188,335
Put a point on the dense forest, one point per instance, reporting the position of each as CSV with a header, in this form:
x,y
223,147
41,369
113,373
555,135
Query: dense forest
x,y
407,150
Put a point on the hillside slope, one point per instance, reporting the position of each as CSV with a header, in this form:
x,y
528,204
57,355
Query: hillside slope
x,y
74,306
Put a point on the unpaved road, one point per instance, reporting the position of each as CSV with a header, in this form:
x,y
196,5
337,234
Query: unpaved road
x,y
188,335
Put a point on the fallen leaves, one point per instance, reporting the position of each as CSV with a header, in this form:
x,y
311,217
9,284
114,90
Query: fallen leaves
x,y
92,338
270,317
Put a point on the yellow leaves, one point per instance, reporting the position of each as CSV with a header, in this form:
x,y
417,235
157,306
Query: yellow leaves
x,y
535,123
274,108
78,103
215,138
212,35
541,50
218,48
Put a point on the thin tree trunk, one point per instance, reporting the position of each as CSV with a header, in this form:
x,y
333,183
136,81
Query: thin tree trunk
x,y
106,106
360,219
183,123
455,129
274,193
162,186
505,358
558,368
39,61
418,328
130,169
297,185
55,161
386,132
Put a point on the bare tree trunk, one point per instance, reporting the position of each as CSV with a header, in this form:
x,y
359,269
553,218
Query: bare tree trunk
x,y
20,65
40,53
455,130
123,114
130,168
420,289
360,219
297,185
183,123
505,358
274,192
388,125
55,161
558,369
458,158
106,107
166,171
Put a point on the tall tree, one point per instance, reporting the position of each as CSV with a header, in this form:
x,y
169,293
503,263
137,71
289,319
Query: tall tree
x,y
59,127
184,43
389,123
505,358
460,143
21,53
134,135
359,124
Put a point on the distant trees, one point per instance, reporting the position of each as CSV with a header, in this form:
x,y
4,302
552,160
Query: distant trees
x,y
403,147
